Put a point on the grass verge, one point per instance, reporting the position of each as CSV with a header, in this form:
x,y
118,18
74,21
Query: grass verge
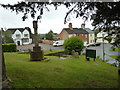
x,y
115,57
117,49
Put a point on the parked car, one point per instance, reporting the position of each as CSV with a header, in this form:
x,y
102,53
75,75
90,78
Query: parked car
x,y
58,43
85,44
95,44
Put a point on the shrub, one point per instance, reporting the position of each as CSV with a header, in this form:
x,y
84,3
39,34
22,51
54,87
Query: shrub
x,y
9,47
73,43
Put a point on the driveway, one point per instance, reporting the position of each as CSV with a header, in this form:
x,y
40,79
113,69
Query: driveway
x,y
43,46
99,52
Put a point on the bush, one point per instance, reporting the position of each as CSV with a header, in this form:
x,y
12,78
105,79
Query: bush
x,y
73,43
9,47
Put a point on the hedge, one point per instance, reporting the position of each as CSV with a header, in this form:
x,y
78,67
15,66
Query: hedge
x,y
73,43
9,47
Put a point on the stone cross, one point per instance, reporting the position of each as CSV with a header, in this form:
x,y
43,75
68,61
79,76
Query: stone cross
x,y
35,26
37,53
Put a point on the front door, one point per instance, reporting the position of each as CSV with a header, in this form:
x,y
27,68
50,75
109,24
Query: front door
x,y
18,43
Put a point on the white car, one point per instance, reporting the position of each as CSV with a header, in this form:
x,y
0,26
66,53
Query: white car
x,y
85,44
58,43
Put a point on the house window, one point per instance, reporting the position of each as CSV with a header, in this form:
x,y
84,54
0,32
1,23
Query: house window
x,y
17,35
85,36
91,35
91,41
25,35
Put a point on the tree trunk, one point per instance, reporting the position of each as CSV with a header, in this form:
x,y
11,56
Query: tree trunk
x,y
3,68
4,80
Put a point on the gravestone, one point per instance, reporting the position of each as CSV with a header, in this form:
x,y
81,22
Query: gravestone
x,y
75,54
37,53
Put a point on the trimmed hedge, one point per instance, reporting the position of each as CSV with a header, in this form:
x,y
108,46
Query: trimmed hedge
x,y
73,43
9,47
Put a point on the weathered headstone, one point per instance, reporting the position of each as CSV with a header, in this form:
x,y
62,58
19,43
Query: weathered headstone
x,y
37,53
75,54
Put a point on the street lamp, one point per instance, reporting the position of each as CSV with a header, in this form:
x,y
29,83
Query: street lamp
x,y
103,48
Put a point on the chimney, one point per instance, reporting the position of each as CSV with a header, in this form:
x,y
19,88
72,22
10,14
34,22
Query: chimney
x,y
83,26
70,25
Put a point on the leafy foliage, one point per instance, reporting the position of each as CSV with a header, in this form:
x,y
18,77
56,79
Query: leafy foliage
x,y
49,35
9,47
7,37
30,8
105,16
73,43
109,39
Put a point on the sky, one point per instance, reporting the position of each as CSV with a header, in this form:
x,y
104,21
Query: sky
x,y
52,20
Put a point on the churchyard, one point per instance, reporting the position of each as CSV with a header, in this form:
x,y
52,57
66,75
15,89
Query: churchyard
x,y
59,72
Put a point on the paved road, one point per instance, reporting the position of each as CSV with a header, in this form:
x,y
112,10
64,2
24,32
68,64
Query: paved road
x,y
99,52
43,46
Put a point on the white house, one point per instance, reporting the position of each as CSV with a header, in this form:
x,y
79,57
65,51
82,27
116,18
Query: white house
x,y
21,36
100,36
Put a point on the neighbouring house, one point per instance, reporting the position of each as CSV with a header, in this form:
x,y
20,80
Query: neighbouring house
x,y
86,34
56,36
21,36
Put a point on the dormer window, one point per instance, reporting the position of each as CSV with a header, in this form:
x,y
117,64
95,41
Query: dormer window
x,y
25,35
17,35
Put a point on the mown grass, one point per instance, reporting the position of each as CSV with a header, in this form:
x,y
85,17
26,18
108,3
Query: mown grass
x,y
115,57
117,49
59,73
52,51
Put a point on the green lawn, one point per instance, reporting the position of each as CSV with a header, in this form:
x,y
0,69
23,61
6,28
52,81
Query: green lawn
x,y
59,73
115,57
117,49
53,51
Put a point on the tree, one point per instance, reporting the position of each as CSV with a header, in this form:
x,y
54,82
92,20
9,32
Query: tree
x,y
41,36
49,35
73,43
5,81
7,37
105,16
109,39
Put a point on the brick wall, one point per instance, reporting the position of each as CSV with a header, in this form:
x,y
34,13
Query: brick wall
x,y
84,37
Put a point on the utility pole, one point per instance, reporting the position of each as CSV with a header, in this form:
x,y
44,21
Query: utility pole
x,y
103,48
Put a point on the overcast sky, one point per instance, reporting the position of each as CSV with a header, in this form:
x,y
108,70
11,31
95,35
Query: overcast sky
x,y
52,20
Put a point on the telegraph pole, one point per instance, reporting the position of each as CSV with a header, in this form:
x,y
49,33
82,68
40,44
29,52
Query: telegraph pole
x,y
103,48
